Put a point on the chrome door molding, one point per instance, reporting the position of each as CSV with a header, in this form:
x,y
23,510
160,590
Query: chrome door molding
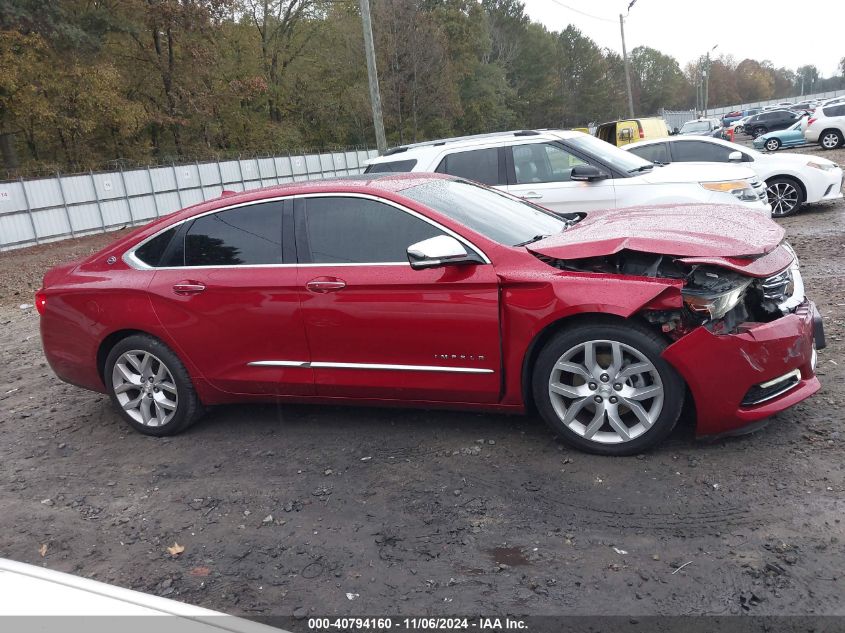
x,y
369,366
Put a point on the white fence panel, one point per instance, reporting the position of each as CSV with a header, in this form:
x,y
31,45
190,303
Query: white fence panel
x,y
47,209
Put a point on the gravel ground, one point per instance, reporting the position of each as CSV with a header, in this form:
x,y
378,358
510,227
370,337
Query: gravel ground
x,y
326,510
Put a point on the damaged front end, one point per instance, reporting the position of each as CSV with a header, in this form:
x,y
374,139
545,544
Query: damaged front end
x,y
721,299
745,338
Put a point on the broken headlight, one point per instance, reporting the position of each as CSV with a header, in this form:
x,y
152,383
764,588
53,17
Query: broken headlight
x,y
711,293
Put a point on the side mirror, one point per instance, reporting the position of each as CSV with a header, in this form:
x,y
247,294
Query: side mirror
x,y
587,173
676,131
438,251
735,157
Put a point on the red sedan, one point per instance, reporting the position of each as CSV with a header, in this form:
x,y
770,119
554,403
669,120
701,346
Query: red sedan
x,y
427,290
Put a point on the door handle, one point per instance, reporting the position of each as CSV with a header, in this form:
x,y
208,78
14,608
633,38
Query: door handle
x,y
532,195
188,288
322,285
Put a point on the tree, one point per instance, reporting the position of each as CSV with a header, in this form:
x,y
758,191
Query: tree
x,y
754,82
282,41
86,82
418,82
805,78
578,63
658,80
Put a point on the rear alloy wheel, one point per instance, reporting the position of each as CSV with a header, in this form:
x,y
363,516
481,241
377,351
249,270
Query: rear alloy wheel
x,y
784,195
830,139
150,387
606,389
759,131
773,144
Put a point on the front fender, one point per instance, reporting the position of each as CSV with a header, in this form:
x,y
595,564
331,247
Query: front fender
x,y
564,296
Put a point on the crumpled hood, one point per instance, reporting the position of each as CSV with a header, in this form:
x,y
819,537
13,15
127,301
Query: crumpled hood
x,y
688,230
697,172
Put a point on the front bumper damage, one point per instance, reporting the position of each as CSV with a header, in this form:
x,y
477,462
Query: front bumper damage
x,y
761,369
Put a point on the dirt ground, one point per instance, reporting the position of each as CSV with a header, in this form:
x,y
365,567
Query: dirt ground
x,y
324,510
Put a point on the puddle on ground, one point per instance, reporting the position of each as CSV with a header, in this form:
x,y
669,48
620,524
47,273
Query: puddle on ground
x,y
511,556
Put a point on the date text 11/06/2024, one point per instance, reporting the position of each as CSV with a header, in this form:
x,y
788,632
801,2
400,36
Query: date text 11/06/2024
x,y
432,624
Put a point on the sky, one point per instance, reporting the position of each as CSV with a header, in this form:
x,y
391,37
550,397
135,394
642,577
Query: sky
x,y
687,29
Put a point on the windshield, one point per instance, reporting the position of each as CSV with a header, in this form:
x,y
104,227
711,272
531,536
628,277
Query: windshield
x,y
696,126
607,153
494,215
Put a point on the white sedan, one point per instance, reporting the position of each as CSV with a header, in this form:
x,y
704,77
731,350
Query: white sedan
x,y
791,179
62,598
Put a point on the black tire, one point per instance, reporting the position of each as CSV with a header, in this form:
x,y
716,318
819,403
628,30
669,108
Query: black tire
x,y
785,195
739,129
758,131
830,139
633,335
772,145
180,392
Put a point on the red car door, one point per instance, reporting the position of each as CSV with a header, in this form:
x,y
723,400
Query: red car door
x,y
379,329
229,301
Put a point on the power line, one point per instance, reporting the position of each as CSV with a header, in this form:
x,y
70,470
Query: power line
x,y
595,17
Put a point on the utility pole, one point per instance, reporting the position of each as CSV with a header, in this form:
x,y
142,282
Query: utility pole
x,y
372,74
707,79
625,58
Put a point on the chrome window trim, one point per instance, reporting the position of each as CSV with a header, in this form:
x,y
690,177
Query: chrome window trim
x,y
133,261
371,366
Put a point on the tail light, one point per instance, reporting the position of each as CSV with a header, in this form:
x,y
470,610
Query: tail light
x,y
810,121
641,133
40,301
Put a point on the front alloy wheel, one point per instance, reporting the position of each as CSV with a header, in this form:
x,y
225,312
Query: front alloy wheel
x,y
772,144
606,389
784,196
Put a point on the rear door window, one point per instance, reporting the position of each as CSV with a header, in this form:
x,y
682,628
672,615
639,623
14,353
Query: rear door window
x,y
691,151
480,165
656,153
243,236
836,110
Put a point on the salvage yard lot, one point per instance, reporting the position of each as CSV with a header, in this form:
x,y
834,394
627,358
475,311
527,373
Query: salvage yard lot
x,y
328,510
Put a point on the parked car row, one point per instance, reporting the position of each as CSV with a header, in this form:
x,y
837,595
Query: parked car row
x,y
793,125
769,121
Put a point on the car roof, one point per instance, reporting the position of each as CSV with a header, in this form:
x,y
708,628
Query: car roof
x,y
388,182
431,148
683,139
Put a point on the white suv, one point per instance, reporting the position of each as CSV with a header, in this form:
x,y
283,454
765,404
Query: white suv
x,y
569,171
827,126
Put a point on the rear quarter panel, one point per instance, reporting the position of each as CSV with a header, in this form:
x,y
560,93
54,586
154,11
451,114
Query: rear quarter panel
x,y
88,305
